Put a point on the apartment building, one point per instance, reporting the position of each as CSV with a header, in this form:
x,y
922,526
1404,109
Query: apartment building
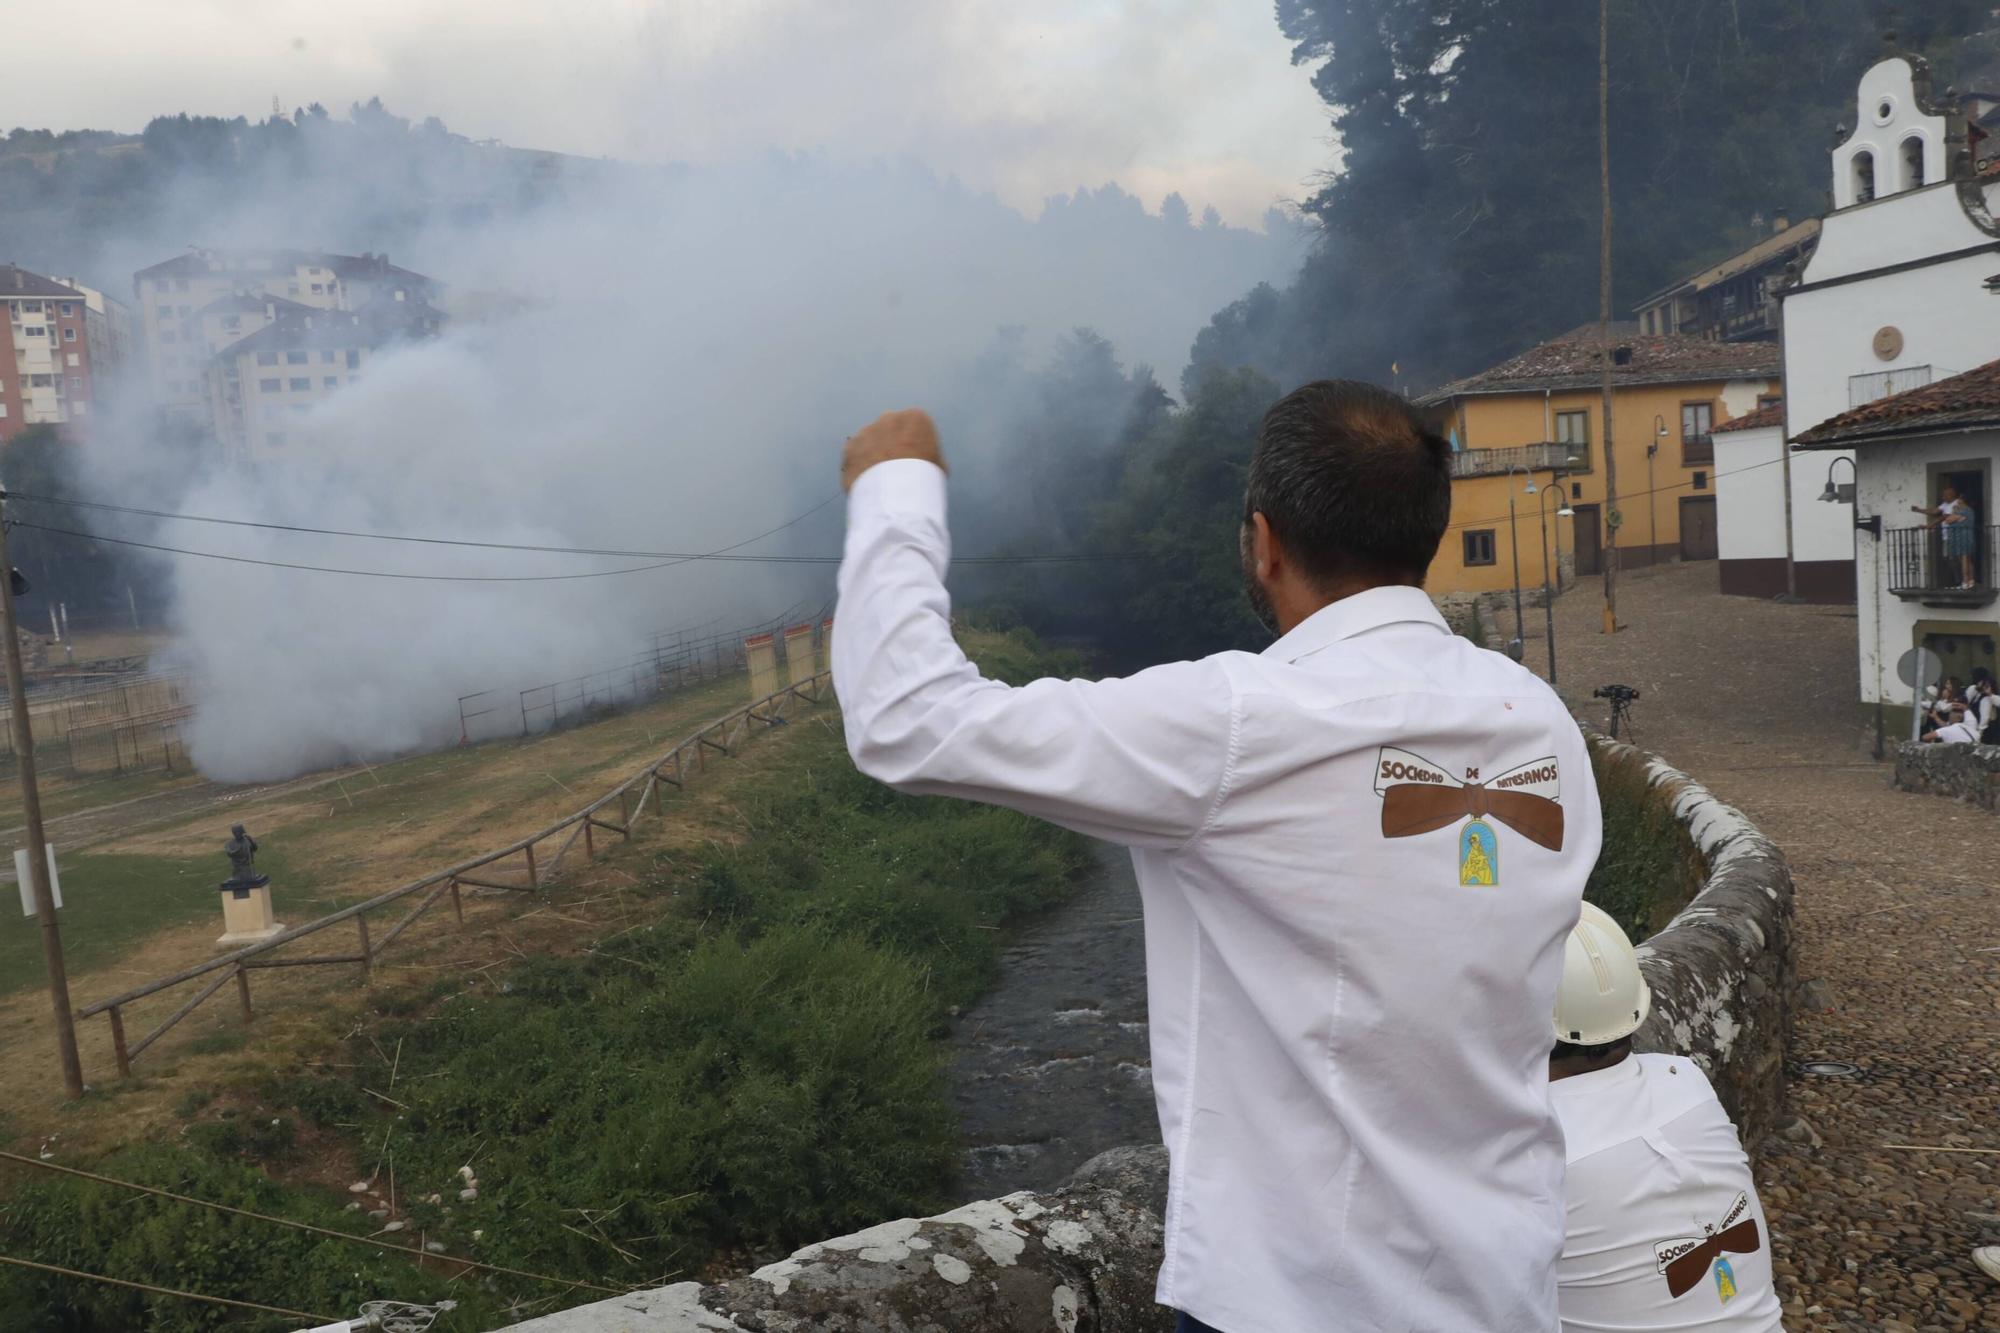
x,y
265,383
186,304
245,342
58,344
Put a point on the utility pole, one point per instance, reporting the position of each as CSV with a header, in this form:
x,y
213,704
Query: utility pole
x,y
1604,313
31,809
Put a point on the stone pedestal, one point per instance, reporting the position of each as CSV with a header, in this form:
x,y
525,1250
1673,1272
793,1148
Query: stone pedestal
x,y
246,914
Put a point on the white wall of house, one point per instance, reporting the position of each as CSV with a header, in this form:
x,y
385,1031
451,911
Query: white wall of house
x,y
1895,475
1939,310
1750,494
1750,508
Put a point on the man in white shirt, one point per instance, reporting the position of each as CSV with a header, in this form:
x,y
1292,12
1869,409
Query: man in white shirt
x,y
1359,853
1958,731
1665,1230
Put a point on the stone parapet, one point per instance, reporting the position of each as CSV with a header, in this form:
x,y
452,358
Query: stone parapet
x,y
1724,970
1081,1257
1965,772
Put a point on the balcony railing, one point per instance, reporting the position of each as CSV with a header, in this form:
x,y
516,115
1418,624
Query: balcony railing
x,y
1925,565
1865,389
1533,457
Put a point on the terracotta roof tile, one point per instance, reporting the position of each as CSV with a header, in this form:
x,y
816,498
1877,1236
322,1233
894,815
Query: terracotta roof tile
x,y
1771,414
1574,361
1968,400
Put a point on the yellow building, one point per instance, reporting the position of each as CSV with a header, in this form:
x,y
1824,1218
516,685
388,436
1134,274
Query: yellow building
x,y
1539,417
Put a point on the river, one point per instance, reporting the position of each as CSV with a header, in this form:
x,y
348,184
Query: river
x,y
1051,1067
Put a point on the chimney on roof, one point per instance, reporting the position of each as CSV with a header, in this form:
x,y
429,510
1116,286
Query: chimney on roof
x,y
270,310
1780,223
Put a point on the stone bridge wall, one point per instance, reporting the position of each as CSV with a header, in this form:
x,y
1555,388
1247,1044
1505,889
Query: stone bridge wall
x,y
1082,1259
1724,970
1967,772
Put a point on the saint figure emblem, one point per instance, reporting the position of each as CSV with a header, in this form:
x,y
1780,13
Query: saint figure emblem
x,y
1725,1280
1478,856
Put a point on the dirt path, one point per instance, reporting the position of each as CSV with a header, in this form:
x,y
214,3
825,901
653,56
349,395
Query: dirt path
x,y
1899,918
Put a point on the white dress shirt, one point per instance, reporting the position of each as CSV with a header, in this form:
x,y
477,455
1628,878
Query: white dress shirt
x,y
1351,951
1655,1171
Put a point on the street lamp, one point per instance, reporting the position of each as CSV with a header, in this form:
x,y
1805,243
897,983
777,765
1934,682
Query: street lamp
x,y
1834,494
1548,598
1652,492
1515,649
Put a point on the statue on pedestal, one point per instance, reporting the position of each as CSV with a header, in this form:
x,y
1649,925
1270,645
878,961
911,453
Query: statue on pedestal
x,y
241,849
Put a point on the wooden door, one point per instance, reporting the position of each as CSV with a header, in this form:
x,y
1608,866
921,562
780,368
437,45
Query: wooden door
x,y
1698,527
1589,540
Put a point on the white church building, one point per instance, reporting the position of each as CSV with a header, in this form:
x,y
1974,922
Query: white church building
x,y
1891,331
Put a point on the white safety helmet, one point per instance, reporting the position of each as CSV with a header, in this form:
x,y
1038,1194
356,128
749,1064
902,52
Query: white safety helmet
x,y
1603,996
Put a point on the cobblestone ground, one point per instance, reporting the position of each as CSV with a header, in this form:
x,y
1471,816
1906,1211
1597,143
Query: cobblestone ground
x,y
1899,926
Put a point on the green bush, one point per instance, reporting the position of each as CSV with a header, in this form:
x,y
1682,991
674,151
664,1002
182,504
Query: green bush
x,y
743,1092
1648,870
102,1229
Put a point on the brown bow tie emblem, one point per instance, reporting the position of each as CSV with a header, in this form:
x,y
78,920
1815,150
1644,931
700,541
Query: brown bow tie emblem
x,y
1685,1261
1417,797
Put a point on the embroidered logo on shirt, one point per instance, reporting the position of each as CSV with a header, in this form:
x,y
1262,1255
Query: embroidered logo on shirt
x,y
1419,796
1686,1259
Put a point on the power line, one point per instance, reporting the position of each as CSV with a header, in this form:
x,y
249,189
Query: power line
x,y
1630,495
162,1291
295,1225
671,557
424,541
657,559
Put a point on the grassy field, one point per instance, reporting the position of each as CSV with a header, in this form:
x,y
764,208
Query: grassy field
x,y
113,900
717,1040
65,794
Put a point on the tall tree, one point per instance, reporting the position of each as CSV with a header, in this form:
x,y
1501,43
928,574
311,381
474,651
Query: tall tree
x,y
1460,222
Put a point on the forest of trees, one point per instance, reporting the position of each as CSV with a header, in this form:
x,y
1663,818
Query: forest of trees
x,y
1460,226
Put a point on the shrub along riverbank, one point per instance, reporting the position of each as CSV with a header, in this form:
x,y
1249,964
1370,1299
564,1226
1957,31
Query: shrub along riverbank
x,y
757,1067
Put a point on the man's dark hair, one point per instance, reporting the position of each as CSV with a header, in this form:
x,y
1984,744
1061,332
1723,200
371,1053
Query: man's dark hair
x,y
1564,1050
1352,482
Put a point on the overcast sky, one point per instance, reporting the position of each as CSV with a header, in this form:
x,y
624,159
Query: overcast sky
x,y
1025,97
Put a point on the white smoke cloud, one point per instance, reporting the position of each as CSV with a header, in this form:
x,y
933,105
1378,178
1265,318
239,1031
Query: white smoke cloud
x,y
691,349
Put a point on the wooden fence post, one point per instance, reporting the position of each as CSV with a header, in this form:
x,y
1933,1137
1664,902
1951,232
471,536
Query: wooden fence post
x,y
625,813
534,880
243,990
589,847
118,1043
366,960
457,907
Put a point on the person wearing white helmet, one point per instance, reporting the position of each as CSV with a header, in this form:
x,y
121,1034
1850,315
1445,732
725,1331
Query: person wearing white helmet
x,y
1664,1227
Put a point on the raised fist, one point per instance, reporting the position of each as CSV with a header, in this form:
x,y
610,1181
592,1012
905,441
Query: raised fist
x,y
909,433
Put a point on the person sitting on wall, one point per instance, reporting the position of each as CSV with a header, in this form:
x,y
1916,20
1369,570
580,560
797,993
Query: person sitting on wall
x,y
1939,702
1958,731
1665,1230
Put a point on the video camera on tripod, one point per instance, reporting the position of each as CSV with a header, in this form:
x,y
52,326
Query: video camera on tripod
x,y
1621,697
